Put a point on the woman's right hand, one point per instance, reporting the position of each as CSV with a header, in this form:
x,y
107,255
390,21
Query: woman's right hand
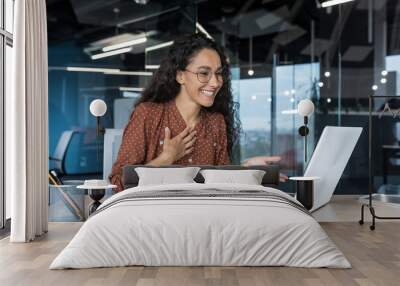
x,y
179,146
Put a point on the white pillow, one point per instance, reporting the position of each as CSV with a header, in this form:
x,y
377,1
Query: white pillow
x,y
165,176
248,177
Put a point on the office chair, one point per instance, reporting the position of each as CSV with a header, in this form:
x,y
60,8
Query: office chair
x,y
57,160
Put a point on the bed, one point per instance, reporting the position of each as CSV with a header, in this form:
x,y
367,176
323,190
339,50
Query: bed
x,y
198,224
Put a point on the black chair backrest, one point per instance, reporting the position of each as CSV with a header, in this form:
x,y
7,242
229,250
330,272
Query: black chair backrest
x,y
57,159
130,178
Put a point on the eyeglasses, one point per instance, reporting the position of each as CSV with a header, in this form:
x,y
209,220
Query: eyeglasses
x,y
205,76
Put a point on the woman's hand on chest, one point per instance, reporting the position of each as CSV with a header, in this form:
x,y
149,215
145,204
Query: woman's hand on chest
x,y
178,146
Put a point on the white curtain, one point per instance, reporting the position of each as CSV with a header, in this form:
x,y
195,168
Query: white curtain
x,y
26,123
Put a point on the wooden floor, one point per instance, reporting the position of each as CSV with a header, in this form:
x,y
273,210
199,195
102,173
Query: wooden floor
x,y
374,255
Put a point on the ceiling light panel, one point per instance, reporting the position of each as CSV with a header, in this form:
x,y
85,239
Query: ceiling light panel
x,y
111,53
334,2
125,44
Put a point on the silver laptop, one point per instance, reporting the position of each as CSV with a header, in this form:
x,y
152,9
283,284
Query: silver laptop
x,y
329,159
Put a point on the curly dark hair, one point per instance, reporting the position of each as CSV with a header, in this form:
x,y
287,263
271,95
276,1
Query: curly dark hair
x,y
163,86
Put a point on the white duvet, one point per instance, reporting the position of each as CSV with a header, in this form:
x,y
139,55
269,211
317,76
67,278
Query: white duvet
x,y
200,231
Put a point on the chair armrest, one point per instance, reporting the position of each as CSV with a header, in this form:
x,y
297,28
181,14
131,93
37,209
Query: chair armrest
x,y
54,159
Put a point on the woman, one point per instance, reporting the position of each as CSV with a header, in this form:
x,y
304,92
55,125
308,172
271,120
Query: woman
x,y
186,115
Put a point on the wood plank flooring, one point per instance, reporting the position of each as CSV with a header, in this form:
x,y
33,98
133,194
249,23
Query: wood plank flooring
x,y
374,255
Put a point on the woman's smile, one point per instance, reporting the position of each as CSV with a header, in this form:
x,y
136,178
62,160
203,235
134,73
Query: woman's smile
x,y
208,92
206,96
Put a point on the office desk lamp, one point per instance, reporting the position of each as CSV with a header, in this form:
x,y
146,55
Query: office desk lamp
x,y
305,108
98,108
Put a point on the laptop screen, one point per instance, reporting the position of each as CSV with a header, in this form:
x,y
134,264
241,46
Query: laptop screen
x,y
329,159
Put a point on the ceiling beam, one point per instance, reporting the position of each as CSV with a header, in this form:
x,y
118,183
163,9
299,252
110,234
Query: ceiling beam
x,y
293,13
345,11
242,11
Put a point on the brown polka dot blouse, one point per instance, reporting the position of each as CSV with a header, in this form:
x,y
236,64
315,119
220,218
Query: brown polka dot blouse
x,y
143,137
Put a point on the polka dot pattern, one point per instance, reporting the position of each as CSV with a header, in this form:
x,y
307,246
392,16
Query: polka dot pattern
x,y
143,138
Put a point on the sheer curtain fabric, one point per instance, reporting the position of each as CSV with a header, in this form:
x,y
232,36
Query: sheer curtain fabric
x,y
27,132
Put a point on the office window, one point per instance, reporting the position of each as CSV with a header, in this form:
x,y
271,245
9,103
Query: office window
x,y
7,90
293,83
9,15
393,67
2,205
6,42
255,116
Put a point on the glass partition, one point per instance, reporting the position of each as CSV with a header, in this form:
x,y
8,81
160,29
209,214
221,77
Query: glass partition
x,y
80,70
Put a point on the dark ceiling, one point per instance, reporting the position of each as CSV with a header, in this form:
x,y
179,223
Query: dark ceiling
x,y
281,27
